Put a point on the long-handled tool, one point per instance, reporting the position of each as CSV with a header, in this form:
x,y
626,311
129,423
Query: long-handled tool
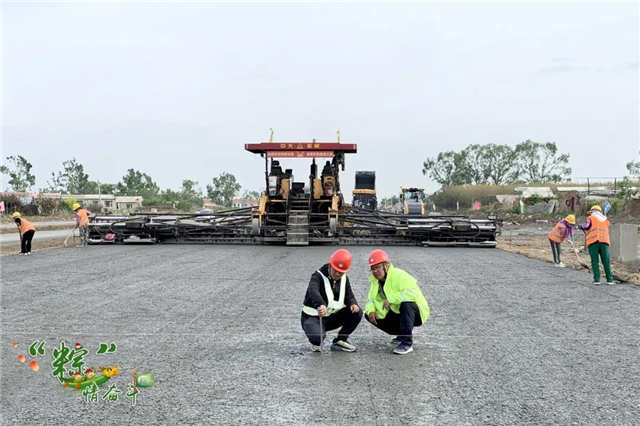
x,y
584,265
321,333
575,250
66,240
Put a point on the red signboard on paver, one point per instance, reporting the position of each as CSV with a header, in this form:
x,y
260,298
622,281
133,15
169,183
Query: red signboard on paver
x,y
266,147
299,154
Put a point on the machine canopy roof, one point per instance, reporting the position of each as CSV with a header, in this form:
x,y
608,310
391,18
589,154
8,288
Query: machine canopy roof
x,y
300,149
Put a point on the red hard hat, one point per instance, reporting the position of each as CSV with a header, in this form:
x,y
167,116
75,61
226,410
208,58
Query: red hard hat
x,y
340,260
378,256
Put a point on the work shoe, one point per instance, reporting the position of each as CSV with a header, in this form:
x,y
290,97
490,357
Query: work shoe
x,y
610,282
343,345
403,349
315,348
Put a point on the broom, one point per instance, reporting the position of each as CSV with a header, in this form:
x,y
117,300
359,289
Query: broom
x,y
71,234
584,265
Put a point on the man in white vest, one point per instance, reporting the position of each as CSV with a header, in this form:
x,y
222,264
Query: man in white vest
x,y
329,300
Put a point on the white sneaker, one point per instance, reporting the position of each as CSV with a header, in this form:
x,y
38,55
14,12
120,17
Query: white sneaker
x,y
596,283
610,283
343,345
315,348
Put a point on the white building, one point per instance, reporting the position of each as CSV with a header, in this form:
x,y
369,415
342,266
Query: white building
x,y
108,203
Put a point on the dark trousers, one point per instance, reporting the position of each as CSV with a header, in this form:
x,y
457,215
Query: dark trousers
x,y
401,324
25,241
555,250
343,318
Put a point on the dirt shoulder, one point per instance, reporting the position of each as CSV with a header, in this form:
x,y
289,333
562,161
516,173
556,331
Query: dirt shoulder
x,y
6,218
36,245
38,228
537,247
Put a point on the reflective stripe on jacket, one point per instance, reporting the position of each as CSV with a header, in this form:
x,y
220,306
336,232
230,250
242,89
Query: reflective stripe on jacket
x,y
558,233
599,230
399,287
25,226
332,305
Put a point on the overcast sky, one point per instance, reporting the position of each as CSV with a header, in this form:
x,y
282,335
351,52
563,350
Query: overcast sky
x,y
176,90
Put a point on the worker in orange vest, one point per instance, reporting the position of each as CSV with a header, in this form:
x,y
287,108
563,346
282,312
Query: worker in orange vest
x,y
82,220
596,229
27,230
561,231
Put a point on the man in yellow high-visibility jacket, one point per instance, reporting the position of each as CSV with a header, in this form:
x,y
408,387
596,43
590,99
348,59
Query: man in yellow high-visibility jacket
x,y
395,303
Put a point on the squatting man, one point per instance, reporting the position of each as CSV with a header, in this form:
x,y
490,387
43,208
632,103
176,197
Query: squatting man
x,y
395,303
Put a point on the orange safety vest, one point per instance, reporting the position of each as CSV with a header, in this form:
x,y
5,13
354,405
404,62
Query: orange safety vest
x,y
83,214
25,226
558,232
599,231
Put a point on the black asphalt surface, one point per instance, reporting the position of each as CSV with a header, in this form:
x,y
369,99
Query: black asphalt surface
x,y
510,340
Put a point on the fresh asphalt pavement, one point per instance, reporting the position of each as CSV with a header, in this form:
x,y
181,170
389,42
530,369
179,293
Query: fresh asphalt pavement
x,y
510,340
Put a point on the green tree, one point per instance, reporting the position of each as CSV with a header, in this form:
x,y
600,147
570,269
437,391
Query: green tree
x,y
626,189
137,183
19,171
95,187
189,194
473,165
390,201
223,189
251,195
448,168
108,188
186,199
500,164
71,179
541,162
634,168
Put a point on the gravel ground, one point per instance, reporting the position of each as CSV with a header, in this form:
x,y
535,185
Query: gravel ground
x,y
511,340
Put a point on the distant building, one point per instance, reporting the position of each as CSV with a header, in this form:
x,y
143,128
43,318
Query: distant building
x,y
239,203
208,204
539,191
107,203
